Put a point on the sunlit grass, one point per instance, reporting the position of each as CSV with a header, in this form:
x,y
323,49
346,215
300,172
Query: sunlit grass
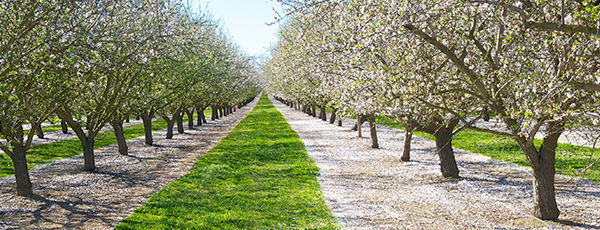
x,y
258,177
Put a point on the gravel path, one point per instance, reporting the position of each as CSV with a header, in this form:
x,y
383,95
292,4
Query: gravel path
x,y
371,189
51,137
66,197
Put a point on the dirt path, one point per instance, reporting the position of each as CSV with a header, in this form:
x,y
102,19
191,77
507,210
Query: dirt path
x,y
371,189
67,198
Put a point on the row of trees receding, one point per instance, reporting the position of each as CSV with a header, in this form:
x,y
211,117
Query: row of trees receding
x,y
89,63
441,66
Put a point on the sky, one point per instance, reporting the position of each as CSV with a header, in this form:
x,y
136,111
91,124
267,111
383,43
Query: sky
x,y
245,21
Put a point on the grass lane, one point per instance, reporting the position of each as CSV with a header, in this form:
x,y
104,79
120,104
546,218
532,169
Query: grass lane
x,y
46,153
258,177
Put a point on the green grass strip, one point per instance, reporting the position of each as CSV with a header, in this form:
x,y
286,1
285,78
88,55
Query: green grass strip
x,y
568,157
258,177
46,153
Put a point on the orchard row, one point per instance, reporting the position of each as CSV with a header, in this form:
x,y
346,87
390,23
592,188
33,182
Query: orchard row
x,y
89,63
442,66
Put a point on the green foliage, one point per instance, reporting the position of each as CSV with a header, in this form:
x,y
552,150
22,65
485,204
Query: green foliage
x,y
258,177
46,153
569,157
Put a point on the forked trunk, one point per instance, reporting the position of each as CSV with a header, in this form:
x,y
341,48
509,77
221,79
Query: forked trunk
x,y
443,142
147,120
170,124
407,141
119,135
24,187
63,126
542,162
361,120
373,131
333,116
89,163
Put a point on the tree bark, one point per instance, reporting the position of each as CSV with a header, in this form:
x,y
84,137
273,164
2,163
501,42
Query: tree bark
x,y
443,142
333,116
178,117
339,122
203,117
542,162
89,163
170,124
359,127
213,116
190,115
199,113
19,159
361,120
39,131
486,114
373,131
314,111
147,120
407,141
64,127
322,113
120,136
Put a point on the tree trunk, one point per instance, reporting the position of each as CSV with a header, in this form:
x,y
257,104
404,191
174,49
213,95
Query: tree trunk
x,y
486,114
544,196
373,131
64,127
339,122
333,116
314,111
213,116
203,117
359,127
542,162
443,142
39,131
89,163
170,124
147,120
361,120
199,113
190,115
24,187
322,113
407,141
118,129
127,119
179,119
